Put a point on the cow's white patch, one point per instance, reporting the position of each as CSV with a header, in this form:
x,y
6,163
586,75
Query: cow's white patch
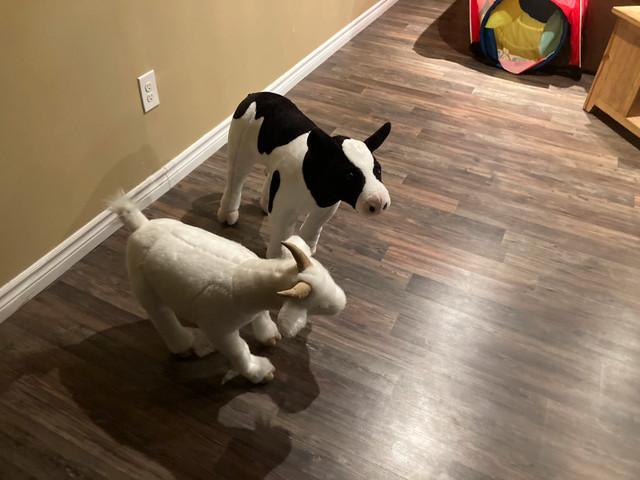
x,y
358,154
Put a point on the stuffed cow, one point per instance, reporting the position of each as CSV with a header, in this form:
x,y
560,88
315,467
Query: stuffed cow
x,y
308,171
180,270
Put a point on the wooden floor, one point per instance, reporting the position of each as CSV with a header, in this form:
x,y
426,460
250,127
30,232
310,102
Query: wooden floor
x,y
492,329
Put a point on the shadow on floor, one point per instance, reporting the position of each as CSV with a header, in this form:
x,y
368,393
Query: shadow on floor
x,y
246,231
170,410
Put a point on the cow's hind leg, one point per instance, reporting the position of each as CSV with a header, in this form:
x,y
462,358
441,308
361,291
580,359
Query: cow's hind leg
x,y
312,226
266,188
230,203
239,164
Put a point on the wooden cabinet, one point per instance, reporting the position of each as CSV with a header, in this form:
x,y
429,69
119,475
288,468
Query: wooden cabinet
x,y
616,87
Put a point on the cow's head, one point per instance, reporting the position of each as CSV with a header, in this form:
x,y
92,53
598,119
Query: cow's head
x,y
342,168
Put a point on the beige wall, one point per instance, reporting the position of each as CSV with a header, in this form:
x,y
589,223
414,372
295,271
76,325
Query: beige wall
x,y
72,129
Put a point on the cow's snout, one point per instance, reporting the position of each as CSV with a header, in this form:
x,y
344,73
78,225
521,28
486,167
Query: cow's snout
x,y
376,203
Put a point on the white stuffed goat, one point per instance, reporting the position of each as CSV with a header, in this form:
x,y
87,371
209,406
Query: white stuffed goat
x,y
178,269
308,171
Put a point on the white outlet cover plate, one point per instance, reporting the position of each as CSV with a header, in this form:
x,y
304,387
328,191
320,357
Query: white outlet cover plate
x,y
148,91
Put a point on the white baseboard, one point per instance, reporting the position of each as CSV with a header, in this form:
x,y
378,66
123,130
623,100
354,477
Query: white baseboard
x,y
305,66
46,270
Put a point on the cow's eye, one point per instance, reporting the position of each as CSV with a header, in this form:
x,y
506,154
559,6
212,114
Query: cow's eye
x,y
349,176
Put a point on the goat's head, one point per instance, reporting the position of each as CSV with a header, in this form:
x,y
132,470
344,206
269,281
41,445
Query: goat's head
x,y
314,293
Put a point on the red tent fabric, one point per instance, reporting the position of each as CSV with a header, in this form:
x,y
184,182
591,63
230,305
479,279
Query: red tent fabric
x,y
574,11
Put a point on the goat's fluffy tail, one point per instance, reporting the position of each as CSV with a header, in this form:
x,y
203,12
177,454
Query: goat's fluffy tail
x,y
129,213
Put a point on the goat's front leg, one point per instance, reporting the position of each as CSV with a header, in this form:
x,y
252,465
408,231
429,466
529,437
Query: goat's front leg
x,y
291,319
265,330
255,369
312,226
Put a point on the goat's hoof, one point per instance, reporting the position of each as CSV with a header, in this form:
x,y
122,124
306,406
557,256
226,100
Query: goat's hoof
x,y
263,371
229,217
201,345
188,353
272,341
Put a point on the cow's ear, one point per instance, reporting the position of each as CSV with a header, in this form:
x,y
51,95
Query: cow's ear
x,y
375,140
319,141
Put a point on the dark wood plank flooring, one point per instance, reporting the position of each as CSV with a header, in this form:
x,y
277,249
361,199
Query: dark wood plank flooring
x,y
493,322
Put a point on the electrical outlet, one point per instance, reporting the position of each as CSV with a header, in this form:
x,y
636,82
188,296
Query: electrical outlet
x,y
148,91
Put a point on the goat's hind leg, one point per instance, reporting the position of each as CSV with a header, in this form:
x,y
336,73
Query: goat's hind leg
x,y
179,339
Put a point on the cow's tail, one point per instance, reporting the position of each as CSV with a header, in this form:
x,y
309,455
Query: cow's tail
x,y
128,213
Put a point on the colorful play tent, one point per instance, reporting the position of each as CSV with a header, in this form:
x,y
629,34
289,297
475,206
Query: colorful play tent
x,y
520,35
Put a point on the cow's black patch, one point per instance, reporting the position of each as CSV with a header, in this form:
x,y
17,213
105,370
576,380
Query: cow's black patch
x,y
328,173
377,169
375,140
273,188
282,123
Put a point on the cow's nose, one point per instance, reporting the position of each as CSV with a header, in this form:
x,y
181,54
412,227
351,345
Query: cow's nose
x,y
376,203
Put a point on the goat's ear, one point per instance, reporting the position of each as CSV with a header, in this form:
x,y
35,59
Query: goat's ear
x,y
375,140
299,290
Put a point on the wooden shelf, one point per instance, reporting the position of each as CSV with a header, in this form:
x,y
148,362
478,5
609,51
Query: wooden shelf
x,y
616,87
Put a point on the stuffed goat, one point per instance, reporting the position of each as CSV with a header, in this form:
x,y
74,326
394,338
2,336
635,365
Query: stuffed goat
x,y
308,171
178,269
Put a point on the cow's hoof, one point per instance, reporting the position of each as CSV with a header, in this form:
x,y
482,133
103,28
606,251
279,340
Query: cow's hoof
x,y
228,217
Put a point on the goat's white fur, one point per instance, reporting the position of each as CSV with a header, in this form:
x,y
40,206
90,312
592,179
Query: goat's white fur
x,y
180,270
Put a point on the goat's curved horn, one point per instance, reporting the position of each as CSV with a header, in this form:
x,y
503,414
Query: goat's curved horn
x,y
302,261
299,290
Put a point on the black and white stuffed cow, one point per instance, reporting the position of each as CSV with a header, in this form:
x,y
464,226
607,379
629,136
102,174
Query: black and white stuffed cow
x,y
308,171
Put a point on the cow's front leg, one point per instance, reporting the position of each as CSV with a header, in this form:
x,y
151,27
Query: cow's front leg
x,y
281,225
265,330
312,226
